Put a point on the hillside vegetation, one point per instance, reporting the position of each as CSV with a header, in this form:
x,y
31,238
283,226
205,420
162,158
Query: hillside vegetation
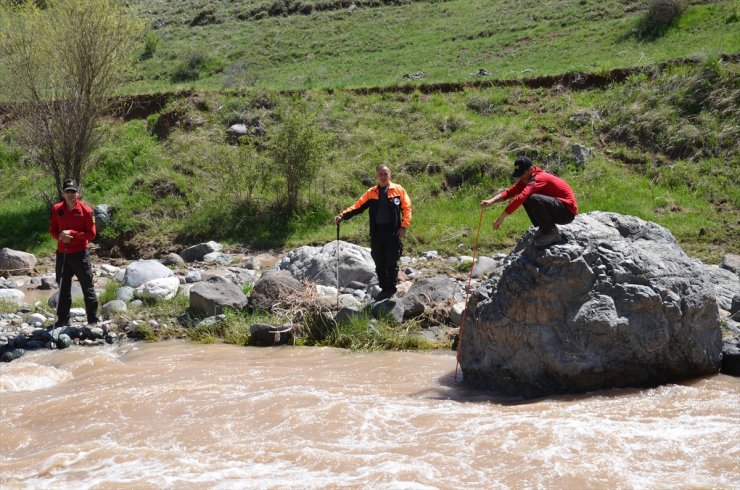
x,y
207,45
664,141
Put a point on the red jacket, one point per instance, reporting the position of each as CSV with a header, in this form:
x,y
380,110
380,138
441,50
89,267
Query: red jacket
x,y
80,220
540,183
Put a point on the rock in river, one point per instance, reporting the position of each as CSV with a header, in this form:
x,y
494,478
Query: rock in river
x,y
617,303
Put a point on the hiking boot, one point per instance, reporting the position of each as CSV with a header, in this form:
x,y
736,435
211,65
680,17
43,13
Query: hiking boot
x,y
545,239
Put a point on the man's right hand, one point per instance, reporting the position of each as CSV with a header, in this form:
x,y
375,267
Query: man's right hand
x,y
485,203
337,219
65,236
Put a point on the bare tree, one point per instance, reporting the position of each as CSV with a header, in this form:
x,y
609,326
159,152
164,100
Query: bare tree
x,y
62,66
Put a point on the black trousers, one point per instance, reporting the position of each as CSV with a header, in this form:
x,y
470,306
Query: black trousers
x,y
545,212
386,249
76,264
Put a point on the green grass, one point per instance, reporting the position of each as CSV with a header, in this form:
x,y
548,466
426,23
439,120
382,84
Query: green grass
x,y
448,150
364,334
109,293
448,40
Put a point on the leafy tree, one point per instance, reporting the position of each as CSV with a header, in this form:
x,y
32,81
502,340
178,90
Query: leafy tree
x,y
297,149
62,66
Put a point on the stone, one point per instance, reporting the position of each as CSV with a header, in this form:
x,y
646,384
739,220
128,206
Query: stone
x,y
356,285
173,259
163,288
616,304
137,303
102,213
252,263
211,320
388,308
125,293
731,262
237,130
430,254
64,341
142,271
330,302
12,296
113,308
456,313
439,289
217,258
15,262
265,335
726,285
485,266
109,269
97,333
319,264
197,252
48,283
77,312
76,291
731,356
345,315
735,308
184,291
192,276
274,286
212,299
120,276
36,318
581,154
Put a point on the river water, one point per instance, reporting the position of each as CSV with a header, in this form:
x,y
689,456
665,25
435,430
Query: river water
x,y
182,415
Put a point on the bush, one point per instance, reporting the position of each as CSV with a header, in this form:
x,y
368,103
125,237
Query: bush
x,y
190,69
297,152
661,14
151,41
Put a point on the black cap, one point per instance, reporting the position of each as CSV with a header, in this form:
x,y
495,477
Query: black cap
x,y
70,185
521,165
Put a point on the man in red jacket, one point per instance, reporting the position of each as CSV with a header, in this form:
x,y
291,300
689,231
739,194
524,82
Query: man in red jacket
x,y
73,226
547,199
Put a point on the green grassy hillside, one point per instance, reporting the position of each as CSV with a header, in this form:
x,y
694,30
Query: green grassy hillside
x,y
665,142
447,40
665,150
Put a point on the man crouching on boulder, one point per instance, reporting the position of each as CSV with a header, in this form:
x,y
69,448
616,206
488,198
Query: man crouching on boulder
x,y
547,199
73,226
390,217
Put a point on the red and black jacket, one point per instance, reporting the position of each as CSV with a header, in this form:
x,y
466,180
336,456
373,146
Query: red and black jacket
x,y
397,197
80,220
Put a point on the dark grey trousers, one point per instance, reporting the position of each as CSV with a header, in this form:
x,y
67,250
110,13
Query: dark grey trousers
x,y
545,212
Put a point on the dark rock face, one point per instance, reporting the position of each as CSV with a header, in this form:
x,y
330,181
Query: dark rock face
x,y
213,298
617,303
273,287
263,334
731,356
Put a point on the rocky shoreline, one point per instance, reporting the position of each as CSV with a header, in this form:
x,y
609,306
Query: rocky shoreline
x,y
296,291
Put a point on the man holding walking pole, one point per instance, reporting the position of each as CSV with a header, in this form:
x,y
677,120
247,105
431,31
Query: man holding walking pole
x,y
72,224
390,217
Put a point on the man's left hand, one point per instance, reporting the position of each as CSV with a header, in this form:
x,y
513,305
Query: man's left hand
x,y
401,232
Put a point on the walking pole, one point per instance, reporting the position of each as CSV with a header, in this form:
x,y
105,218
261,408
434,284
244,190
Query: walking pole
x,y
59,284
337,265
467,296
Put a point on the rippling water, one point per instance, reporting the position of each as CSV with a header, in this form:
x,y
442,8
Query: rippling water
x,y
181,415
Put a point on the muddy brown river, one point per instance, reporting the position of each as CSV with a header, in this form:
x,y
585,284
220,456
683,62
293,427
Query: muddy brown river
x,y
182,415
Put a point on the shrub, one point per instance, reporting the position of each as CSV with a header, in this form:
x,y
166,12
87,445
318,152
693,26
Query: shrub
x,y
297,152
661,14
151,41
190,69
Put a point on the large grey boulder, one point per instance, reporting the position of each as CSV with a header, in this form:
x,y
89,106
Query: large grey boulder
x,y
115,307
12,296
213,298
274,287
197,252
319,264
141,271
726,285
15,262
616,304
